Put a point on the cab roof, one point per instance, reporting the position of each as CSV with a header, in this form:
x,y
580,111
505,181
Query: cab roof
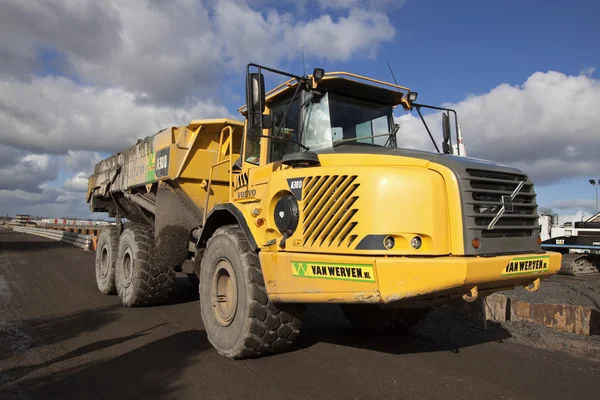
x,y
348,84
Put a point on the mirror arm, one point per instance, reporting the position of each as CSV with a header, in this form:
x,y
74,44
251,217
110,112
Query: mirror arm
x,y
418,107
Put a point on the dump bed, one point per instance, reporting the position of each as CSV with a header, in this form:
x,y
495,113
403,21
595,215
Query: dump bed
x,y
183,153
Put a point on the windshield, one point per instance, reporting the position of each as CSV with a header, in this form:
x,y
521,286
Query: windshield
x,y
333,119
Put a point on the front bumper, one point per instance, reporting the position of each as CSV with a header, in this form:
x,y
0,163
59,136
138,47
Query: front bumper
x,y
321,278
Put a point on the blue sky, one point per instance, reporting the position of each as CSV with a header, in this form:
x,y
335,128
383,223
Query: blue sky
x,y
84,81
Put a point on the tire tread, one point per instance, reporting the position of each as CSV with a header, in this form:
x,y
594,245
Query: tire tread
x,y
152,284
269,329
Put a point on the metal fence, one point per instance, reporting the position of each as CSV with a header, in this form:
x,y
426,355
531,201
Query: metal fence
x,y
75,239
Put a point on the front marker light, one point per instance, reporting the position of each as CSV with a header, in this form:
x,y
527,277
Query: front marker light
x,y
389,242
416,242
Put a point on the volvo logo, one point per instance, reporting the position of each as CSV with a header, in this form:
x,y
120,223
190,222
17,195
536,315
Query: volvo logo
x,y
507,205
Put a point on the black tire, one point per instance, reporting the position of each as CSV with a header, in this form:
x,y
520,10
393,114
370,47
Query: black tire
x,y
138,280
256,326
107,248
372,318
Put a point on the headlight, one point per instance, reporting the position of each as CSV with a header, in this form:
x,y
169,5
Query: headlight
x,y
287,214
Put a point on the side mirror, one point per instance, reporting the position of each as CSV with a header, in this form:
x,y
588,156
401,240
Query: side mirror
x,y
255,99
446,133
554,219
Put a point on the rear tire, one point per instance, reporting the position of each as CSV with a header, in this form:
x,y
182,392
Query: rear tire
x,y
138,280
372,318
106,258
239,319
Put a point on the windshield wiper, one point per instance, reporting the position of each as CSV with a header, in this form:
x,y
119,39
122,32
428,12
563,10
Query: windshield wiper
x,y
359,138
393,139
279,129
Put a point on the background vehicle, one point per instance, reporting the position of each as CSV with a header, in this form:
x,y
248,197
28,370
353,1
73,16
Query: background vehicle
x,y
579,244
310,201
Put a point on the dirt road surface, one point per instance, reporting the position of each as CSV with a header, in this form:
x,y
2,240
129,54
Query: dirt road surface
x,y
60,338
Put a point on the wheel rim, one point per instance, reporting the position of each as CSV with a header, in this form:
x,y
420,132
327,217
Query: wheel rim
x,y
104,261
127,266
224,293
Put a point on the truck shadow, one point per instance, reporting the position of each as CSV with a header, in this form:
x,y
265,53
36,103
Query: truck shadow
x,y
185,290
442,330
152,371
19,336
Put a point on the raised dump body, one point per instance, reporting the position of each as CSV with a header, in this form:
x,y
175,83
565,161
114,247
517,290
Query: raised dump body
x,y
310,200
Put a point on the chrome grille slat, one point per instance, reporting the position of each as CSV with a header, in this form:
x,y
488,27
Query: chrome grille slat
x,y
495,180
488,215
500,228
499,192
499,203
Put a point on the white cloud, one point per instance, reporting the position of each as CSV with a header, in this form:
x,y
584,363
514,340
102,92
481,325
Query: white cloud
x,y
86,28
22,197
273,36
171,52
573,216
28,172
79,79
53,114
583,205
77,183
366,4
548,127
48,201
65,198
82,161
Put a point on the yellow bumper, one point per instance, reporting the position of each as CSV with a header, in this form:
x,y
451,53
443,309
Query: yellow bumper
x,y
319,278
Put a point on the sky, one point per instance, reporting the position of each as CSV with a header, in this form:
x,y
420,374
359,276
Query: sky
x,y
82,79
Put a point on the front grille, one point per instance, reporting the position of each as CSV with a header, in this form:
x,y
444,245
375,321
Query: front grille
x,y
328,210
484,192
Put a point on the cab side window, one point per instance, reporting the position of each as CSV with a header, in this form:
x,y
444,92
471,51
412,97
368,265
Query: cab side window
x,y
252,152
283,130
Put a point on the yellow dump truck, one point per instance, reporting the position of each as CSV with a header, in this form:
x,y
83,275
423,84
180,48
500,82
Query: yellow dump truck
x,y
310,200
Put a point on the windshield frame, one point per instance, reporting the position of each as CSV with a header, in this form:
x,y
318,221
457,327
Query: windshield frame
x,y
307,105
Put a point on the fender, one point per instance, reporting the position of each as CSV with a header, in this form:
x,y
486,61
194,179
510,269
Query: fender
x,y
225,214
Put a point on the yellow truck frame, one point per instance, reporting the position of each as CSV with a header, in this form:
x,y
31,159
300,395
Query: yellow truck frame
x,y
287,208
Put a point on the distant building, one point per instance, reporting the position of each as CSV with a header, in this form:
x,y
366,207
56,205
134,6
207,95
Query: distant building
x,y
22,219
594,218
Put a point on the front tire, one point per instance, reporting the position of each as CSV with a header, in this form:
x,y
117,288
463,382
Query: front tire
x,y
239,319
138,280
106,258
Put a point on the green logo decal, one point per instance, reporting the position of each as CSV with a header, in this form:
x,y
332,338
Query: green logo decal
x,y
344,272
300,268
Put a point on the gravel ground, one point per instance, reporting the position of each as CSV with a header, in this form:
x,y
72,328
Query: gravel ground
x,y
61,339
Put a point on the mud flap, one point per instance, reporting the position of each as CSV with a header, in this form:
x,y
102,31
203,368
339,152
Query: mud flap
x,y
175,219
